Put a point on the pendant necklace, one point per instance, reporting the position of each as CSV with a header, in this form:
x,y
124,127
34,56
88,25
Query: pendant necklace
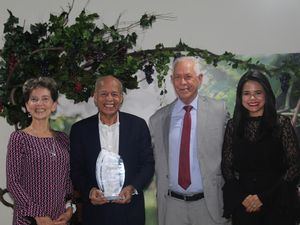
x,y
52,149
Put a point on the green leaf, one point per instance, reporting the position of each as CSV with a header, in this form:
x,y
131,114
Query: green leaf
x,y
147,20
10,23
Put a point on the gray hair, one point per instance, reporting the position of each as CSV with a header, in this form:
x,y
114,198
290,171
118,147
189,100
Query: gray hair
x,y
196,60
100,79
40,82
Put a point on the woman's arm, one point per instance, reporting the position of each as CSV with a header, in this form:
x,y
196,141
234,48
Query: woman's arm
x,y
14,162
233,194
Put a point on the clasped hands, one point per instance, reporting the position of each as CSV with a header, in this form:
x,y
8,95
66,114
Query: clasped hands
x,y
61,220
97,197
252,203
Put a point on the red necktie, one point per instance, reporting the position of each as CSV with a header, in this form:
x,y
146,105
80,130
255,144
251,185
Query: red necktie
x,y
184,176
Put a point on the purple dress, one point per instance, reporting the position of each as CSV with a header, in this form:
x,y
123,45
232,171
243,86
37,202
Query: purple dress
x,y
38,176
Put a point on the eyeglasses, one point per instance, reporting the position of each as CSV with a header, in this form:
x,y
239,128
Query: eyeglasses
x,y
42,100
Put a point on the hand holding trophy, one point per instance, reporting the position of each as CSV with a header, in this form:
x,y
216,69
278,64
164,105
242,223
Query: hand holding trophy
x,y
110,174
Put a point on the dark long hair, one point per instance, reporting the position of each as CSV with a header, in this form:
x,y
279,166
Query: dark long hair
x,y
269,117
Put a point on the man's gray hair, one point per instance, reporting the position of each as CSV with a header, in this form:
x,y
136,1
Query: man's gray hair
x,y
197,66
100,79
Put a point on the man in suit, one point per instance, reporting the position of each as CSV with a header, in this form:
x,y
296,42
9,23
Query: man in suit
x,y
121,133
187,150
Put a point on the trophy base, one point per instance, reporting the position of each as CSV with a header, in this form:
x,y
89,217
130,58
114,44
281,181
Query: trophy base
x,y
113,198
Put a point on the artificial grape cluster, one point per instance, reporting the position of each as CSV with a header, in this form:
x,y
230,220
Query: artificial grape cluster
x,y
284,79
148,70
12,62
121,52
98,56
44,68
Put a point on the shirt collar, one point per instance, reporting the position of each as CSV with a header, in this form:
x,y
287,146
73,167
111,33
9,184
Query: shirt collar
x,y
179,105
116,124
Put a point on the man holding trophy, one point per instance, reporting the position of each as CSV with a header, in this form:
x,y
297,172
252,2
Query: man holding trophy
x,y
111,160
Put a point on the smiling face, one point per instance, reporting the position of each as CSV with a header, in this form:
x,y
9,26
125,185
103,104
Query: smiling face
x,y
253,98
40,105
108,98
185,80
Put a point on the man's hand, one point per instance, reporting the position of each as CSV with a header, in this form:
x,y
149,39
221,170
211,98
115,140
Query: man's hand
x,y
96,196
252,203
126,195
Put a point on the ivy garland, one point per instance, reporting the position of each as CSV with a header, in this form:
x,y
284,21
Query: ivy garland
x,y
75,55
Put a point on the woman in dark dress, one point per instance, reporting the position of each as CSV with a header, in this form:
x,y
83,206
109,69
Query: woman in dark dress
x,y
38,161
260,158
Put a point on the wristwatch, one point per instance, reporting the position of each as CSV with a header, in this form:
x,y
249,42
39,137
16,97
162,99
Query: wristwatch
x,y
70,204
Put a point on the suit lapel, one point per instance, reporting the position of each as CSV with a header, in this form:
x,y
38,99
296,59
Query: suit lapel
x,y
94,136
166,128
166,133
201,124
122,134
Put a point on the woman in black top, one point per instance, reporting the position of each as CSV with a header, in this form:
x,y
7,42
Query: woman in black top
x,y
260,159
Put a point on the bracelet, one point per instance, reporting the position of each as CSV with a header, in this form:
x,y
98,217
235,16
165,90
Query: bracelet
x,y
69,204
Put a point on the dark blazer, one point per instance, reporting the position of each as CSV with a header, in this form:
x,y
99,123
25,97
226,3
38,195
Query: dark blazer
x,y
136,152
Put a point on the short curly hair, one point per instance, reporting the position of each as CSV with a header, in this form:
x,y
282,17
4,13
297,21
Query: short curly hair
x,y
40,82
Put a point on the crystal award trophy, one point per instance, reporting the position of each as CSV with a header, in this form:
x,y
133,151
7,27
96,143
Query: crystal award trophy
x,y
110,174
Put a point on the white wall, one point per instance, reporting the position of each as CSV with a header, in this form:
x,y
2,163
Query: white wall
x,y
238,26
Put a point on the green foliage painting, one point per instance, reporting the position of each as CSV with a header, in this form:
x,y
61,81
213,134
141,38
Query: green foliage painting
x,y
76,54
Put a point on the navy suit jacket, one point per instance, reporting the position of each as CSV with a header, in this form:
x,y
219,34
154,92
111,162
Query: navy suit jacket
x,y
136,152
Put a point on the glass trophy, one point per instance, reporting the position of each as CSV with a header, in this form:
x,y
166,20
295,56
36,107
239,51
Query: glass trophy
x,y
110,174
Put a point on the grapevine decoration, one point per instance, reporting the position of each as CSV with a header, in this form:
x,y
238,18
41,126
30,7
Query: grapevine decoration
x,y
149,71
75,55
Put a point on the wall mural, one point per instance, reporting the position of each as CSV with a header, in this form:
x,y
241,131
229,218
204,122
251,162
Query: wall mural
x,y
220,83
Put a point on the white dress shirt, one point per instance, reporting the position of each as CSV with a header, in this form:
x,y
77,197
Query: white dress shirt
x,y
109,136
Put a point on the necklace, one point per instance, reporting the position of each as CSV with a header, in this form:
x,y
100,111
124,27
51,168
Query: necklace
x,y
52,148
39,132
